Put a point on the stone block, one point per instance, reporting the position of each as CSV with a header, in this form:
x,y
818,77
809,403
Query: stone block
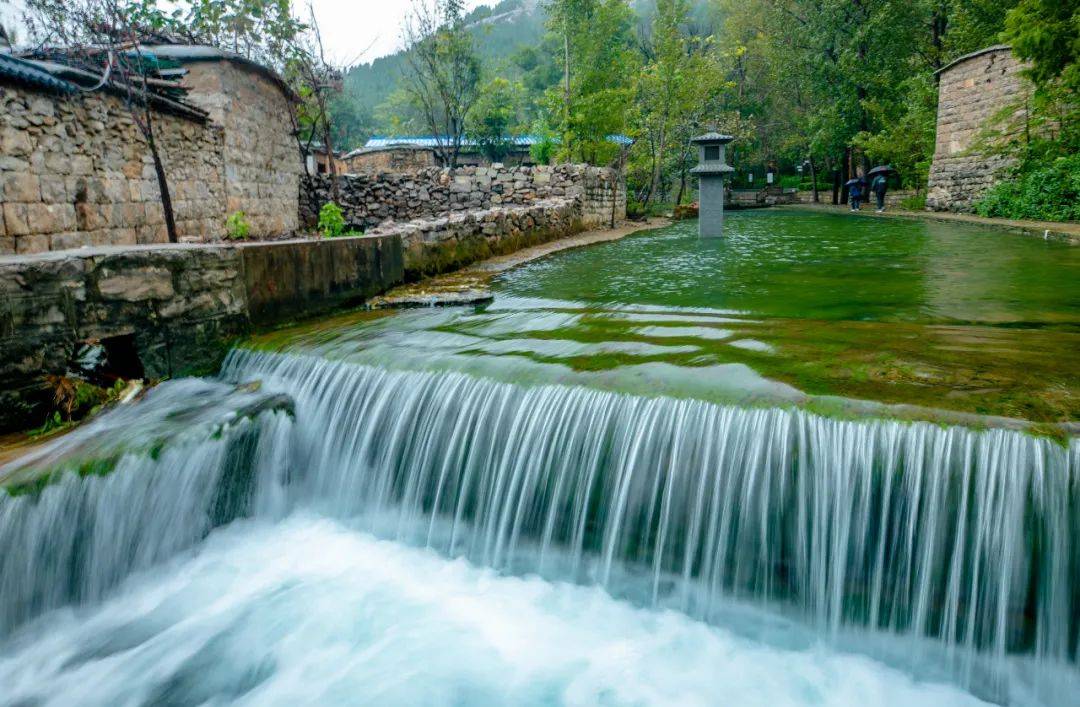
x,y
51,218
136,284
36,243
16,222
66,241
21,187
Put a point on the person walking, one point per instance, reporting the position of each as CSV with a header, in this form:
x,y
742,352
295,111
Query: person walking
x,y
855,192
879,186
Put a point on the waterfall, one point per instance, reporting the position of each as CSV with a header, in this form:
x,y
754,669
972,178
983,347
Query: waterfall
x,y
968,538
967,541
84,532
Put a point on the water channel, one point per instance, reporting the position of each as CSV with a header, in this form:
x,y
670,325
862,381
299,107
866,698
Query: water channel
x,y
821,461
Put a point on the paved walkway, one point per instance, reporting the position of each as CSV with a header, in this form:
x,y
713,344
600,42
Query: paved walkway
x,y
1068,231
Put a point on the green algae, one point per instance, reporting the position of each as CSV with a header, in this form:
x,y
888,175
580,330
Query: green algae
x,y
848,317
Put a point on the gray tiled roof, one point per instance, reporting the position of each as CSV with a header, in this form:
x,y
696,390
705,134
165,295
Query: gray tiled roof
x,y
712,136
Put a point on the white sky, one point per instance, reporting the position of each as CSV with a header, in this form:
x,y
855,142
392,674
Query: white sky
x,y
349,27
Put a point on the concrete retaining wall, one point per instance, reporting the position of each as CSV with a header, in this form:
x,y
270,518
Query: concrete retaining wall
x,y
181,306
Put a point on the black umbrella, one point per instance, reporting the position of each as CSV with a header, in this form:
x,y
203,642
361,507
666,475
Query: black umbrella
x,y
881,169
857,180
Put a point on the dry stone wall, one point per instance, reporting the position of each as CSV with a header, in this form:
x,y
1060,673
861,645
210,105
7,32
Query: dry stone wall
x,y
369,200
76,172
973,93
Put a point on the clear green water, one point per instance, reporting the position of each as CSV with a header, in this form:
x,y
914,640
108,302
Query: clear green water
x,y
810,265
789,307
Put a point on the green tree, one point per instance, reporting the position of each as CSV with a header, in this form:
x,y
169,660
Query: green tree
x,y
443,72
495,118
598,65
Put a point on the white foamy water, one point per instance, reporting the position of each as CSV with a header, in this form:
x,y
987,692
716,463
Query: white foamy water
x,y
308,611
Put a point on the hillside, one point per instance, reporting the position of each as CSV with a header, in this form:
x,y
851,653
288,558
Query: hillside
x,y
499,32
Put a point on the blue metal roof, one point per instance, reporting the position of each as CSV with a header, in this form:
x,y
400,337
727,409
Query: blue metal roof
x,y
30,74
431,141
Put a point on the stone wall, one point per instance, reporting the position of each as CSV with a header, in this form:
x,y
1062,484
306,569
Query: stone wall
x,y
440,244
369,200
180,305
260,153
972,92
76,172
390,159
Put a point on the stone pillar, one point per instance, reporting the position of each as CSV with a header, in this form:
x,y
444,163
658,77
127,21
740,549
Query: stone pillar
x,y
710,171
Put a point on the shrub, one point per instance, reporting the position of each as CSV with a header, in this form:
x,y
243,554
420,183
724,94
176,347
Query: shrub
x,y
915,202
331,220
237,227
543,150
635,210
1046,191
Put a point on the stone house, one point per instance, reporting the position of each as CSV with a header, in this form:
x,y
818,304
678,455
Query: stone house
x,y
974,92
389,158
75,170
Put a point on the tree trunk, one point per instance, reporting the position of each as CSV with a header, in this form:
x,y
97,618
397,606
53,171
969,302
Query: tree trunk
x,y
566,90
331,163
845,175
682,178
813,180
162,180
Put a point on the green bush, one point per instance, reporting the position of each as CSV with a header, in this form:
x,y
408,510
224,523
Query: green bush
x,y
237,227
331,220
635,210
1047,191
916,202
543,150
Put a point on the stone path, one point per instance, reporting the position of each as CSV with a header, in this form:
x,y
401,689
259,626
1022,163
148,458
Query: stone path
x,y
1067,231
470,285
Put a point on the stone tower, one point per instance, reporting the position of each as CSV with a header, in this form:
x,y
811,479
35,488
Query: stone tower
x,y
710,171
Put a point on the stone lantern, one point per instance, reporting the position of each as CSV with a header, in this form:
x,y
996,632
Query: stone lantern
x,y
710,171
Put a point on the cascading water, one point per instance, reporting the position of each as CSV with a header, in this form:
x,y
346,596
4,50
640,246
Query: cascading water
x,y
956,545
965,537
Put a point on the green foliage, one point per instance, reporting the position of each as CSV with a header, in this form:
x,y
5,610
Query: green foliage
x,y
331,220
543,151
1050,192
237,226
1047,34
495,118
443,71
51,424
916,202
905,141
635,210
598,64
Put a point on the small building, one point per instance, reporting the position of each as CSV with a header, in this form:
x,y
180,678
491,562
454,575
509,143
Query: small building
x,y
76,170
711,170
319,160
407,153
394,157
973,93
